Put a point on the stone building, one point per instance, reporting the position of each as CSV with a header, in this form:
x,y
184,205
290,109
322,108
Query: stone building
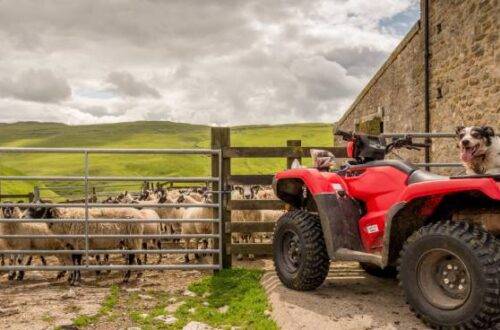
x,y
444,73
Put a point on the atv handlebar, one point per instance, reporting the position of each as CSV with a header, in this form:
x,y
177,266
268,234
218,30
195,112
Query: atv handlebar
x,y
421,145
346,136
405,142
397,143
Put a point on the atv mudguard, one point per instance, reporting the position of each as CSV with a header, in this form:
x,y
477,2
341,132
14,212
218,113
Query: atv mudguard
x,y
339,214
421,199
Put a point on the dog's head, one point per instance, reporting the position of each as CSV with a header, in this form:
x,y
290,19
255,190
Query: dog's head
x,y
474,141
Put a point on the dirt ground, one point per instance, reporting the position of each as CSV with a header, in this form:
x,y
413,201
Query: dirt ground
x,y
349,299
41,302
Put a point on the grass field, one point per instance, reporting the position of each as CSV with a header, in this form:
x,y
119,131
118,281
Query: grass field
x,y
137,135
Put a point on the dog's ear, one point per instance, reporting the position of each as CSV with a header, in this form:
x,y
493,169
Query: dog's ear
x,y
488,133
459,129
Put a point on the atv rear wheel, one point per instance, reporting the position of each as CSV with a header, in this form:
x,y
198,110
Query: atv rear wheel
x,y
299,251
387,272
449,272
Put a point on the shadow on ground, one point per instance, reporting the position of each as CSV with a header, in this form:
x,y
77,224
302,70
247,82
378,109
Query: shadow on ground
x,y
349,299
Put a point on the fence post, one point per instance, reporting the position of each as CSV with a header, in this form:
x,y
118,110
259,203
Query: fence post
x,y
293,143
36,194
220,139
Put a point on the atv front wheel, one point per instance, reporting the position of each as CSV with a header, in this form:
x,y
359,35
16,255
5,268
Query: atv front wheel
x,y
299,251
450,274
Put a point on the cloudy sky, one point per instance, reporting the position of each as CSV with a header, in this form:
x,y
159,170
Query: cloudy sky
x,y
223,62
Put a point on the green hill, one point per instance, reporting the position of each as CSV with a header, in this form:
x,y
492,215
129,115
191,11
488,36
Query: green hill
x,y
137,135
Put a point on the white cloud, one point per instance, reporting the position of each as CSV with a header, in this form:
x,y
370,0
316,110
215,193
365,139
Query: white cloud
x,y
36,85
224,62
125,84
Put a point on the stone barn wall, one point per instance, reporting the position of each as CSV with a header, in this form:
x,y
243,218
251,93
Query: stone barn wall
x,y
464,78
465,72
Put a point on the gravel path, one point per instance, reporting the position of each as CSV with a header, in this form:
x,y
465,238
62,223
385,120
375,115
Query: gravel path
x,y
349,299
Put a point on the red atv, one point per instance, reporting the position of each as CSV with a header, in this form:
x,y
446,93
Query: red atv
x,y
440,234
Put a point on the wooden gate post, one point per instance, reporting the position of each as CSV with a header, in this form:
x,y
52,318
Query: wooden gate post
x,y
220,139
293,143
36,194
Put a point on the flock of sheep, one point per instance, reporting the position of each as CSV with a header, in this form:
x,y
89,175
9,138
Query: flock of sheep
x,y
139,220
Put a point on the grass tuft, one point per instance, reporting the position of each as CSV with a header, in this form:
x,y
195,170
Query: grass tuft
x,y
239,289
106,308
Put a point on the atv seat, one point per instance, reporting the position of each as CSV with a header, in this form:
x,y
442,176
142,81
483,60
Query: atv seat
x,y
423,176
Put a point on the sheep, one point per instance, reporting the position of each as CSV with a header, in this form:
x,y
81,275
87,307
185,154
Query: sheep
x,y
245,192
146,197
267,193
151,228
160,196
171,212
26,228
3,245
174,194
129,228
199,194
125,198
196,196
195,227
8,229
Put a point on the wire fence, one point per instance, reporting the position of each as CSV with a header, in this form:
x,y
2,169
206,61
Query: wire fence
x,y
84,241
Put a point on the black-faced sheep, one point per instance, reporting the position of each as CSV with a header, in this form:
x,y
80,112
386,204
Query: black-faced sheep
x,y
245,192
27,228
94,228
189,228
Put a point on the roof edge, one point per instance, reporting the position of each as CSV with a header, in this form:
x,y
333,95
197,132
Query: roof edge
x,y
395,53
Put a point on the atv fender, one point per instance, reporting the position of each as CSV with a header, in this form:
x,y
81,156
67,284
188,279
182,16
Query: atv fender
x,y
486,185
422,203
339,214
316,182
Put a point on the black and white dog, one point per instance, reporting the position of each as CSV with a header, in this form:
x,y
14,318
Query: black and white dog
x,y
479,149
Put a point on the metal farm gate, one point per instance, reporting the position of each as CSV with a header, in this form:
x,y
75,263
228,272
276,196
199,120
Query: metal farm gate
x,y
88,204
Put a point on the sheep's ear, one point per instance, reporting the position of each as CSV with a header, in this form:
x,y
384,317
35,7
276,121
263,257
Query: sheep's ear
x,y
255,189
459,129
